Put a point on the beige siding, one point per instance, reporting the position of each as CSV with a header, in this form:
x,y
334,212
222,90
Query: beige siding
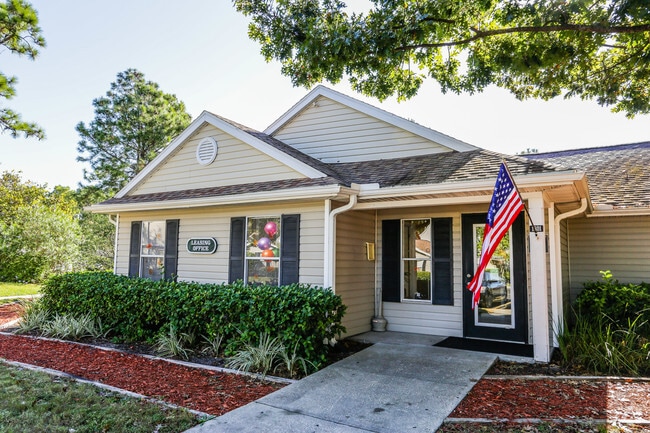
x,y
423,318
564,255
215,222
333,132
236,163
618,244
355,275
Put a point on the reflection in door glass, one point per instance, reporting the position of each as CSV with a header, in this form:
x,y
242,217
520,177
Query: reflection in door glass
x,y
495,307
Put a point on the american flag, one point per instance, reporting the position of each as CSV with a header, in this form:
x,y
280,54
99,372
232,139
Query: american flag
x,y
504,208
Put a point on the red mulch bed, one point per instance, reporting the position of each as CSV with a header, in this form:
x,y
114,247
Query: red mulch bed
x,y
195,388
552,398
10,312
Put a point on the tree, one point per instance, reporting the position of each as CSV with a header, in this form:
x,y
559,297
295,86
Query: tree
x,y
39,231
21,35
592,49
41,241
133,122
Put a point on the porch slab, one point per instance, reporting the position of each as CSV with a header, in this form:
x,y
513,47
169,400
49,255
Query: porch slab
x,y
385,388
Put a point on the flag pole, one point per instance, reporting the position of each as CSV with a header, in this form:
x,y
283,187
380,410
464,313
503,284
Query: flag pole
x,y
503,160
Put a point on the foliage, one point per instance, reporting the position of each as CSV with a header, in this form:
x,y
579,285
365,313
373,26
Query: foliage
x,y
20,35
594,49
44,231
138,309
601,346
37,402
617,303
33,318
260,357
39,242
68,327
97,232
609,331
133,122
173,344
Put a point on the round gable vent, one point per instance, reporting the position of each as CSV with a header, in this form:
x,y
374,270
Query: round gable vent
x,y
206,151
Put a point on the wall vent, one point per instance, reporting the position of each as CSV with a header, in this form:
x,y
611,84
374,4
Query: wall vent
x,y
206,151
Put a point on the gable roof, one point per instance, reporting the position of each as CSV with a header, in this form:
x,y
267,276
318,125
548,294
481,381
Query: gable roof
x,y
372,111
451,172
618,176
301,163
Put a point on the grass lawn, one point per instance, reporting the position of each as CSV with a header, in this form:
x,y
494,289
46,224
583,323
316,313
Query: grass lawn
x,y
37,402
18,289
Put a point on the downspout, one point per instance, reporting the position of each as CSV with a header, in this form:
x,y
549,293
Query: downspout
x,y
116,223
556,268
330,276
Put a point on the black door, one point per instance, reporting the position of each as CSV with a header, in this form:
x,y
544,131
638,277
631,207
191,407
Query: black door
x,y
502,310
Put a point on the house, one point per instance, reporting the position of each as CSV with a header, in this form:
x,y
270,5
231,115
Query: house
x,y
387,213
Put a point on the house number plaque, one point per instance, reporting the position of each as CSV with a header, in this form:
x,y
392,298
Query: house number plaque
x,y
201,245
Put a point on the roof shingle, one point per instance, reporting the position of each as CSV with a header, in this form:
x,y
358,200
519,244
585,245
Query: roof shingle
x,y
618,175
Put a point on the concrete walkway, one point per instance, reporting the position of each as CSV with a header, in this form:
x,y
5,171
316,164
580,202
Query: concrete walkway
x,y
396,385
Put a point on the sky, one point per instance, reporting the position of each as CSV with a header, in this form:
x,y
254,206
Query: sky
x,y
199,51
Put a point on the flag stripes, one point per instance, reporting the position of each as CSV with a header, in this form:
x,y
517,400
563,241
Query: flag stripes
x,y
504,208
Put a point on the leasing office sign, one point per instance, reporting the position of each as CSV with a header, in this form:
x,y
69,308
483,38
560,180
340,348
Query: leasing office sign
x,y
201,245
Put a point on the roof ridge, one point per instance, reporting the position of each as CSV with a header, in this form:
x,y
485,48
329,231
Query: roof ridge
x,y
606,148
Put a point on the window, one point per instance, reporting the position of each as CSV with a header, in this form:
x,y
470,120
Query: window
x,y
263,251
154,249
417,261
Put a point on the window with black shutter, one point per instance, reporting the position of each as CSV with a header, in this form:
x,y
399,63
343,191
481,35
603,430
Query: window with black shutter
x,y
417,261
153,251
265,250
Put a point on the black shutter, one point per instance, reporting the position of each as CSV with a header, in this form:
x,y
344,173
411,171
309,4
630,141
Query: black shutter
x,y
171,249
237,249
290,249
134,249
391,254
443,293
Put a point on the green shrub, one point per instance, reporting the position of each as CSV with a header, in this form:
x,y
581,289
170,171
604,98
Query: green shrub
x,y
138,309
619,303
609,330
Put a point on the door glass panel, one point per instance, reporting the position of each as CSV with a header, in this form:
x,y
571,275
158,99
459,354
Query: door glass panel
x,y
496,305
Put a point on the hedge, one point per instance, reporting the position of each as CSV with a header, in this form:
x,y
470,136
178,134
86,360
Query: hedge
x,y
136,309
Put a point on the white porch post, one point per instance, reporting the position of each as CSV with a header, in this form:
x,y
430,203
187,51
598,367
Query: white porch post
x,y
538,278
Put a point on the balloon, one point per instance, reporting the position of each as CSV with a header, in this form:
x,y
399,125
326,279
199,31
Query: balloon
x,y
268,253
264,243
271,228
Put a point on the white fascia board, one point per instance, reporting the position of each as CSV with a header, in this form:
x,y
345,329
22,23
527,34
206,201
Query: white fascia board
x,y
306,193
370,191
207,117
372,111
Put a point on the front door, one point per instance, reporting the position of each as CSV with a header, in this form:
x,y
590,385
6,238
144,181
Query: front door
x,y
502,310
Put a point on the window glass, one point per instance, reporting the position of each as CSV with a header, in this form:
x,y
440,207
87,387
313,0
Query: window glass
x,y
416,259
263,251
152,249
